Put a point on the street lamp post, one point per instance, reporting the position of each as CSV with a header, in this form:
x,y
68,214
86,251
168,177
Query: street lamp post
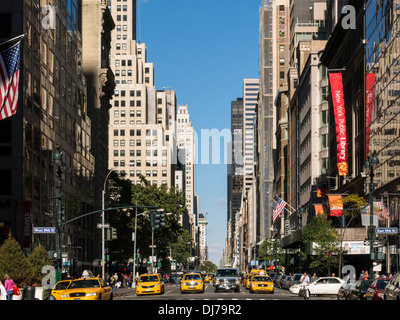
x,y
58,158
372,162
103,193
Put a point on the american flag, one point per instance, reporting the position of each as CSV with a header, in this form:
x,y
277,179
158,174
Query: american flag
x,y
9,81
383,212
279,206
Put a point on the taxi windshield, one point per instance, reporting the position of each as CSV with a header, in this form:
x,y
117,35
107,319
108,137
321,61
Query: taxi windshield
x,y
78,284
62,285
191,277
261,278
148,278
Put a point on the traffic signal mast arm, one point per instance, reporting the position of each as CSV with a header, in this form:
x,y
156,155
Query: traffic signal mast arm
x,y
108,209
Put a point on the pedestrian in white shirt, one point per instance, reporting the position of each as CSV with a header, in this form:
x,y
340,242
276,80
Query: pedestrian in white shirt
x,y
305,279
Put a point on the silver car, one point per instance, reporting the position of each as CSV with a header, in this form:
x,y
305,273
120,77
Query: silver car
x,y
227,279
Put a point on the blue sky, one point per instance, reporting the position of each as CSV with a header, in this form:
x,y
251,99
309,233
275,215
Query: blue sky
x,y
203,50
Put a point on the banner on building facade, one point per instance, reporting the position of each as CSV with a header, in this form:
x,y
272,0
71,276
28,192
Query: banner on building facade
x,y
370,95
27,224
335,205
319,210
336,82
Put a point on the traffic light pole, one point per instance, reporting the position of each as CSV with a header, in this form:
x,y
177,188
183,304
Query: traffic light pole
x,y
152,249
59,220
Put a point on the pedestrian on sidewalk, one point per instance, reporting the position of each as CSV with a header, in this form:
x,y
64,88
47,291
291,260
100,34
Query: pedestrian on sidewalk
x,y
9,286
115,284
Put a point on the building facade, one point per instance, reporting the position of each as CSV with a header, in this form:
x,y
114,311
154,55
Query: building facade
x,y
52,112
142,120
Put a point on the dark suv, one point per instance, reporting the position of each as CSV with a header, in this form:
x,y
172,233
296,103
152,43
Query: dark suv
x,y
227,279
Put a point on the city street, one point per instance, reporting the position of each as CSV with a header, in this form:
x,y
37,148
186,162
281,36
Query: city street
x,y
172,292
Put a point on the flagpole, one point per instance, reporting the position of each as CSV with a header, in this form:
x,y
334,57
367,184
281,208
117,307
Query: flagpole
x,y
12,40
294,210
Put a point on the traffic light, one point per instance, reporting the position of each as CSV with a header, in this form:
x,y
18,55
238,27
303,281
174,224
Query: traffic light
x,y
162,220
114,233
157,220
62,212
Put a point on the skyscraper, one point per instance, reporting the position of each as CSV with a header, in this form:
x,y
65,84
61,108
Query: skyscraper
x,y
52,111
142,120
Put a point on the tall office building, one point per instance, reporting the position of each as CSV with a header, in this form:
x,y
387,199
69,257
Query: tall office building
x,y
273,48
235,167
185,141
307,23
97,24
142,120
235,163
52,111
250,94
203,250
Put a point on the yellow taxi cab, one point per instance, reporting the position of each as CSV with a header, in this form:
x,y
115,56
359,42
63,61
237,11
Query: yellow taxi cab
x,y
87,289
58,289
206,278
257,271
253,272
149,284
245,278
192,282
261,283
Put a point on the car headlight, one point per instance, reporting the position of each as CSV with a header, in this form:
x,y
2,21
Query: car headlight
x,y
157,284
91,294
217,281
64,296
237,282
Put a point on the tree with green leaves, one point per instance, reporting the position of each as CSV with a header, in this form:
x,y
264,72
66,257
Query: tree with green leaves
x,y
352,205
171,200
180,247
267,251
321,232
14,262
209,267
38,259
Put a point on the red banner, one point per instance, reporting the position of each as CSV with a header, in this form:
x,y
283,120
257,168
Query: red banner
x,y
340,120
370,95
335,205
319,209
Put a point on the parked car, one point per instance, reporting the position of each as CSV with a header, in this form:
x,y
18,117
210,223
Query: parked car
x,y
359,291
344,291
376,289
321,286
392,290
286,284
276,279
281,281
295,279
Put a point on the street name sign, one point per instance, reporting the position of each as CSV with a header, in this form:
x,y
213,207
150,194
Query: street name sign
x,y
44,230
106,225
386,230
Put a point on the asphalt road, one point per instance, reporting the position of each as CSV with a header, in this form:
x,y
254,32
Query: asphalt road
x,y
172,292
